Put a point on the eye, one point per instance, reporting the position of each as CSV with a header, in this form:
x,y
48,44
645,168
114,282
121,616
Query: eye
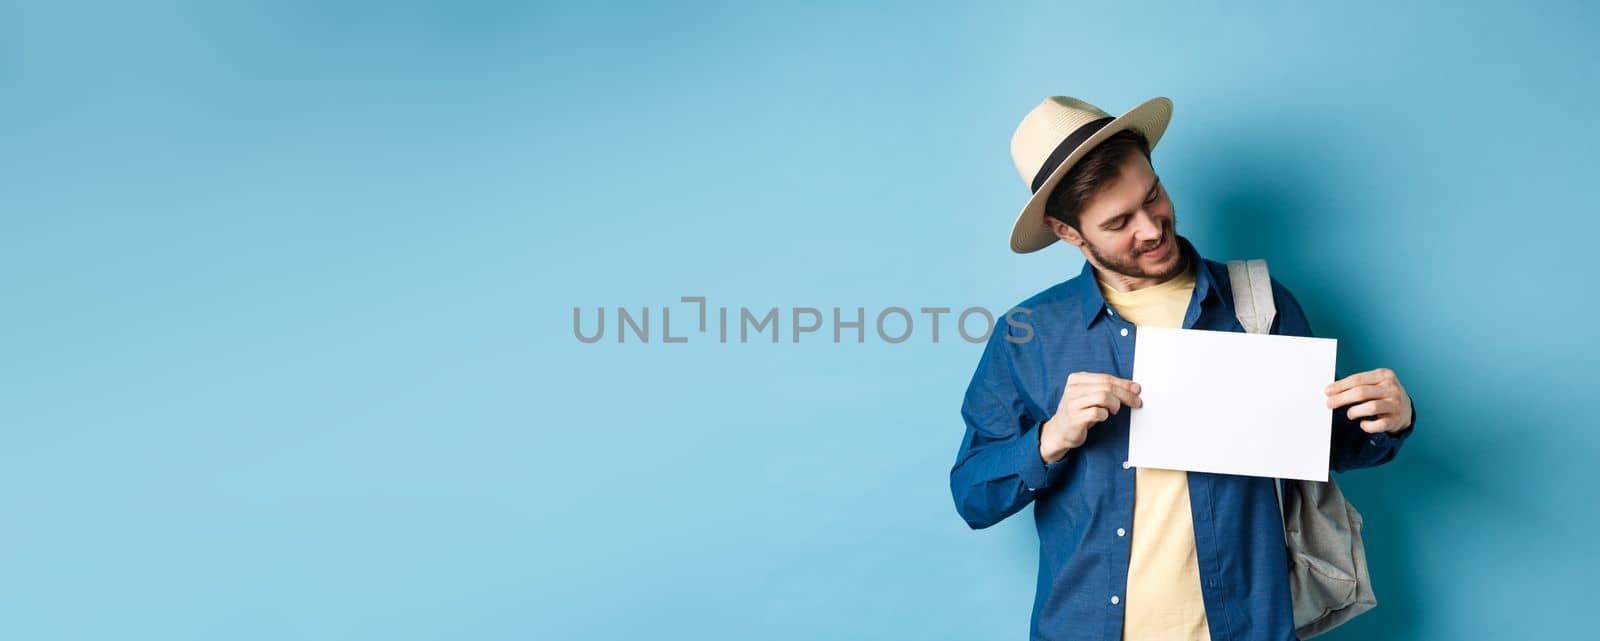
x,y
1154,193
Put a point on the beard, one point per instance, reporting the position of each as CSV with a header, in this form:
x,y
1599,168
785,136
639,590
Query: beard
x,y
1128,264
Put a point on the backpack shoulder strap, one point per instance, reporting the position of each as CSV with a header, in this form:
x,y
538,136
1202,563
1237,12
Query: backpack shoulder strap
x,y
1252,302
1252,295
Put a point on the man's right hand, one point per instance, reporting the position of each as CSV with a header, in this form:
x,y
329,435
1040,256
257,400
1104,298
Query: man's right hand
x,y
1089,399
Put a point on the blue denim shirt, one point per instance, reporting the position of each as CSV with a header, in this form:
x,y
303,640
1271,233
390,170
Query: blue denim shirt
x,y
1081,500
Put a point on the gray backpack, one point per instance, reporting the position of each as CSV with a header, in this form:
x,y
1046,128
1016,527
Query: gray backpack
x,y
1321,530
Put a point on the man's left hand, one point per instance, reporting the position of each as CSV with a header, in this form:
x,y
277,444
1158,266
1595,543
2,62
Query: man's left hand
x,y
1376,398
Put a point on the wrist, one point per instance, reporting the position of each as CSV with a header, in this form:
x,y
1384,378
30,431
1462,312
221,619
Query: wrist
x,y
1049,449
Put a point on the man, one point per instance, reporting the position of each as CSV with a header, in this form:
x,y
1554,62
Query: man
x,y
1140,554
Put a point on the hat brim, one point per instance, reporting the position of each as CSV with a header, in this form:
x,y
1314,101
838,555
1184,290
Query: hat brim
x,y
1031,233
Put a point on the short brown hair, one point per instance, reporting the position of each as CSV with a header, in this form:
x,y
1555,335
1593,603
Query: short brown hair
x,y
1097,170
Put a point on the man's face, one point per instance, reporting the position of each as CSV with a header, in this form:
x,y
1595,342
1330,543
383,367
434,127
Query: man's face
x,y
1129,228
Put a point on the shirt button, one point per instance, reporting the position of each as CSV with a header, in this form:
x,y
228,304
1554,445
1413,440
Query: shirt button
x,y
1121,532
1115,600
1125,465
1124,331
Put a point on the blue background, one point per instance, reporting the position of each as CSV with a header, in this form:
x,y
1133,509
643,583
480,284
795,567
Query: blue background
x,y
288,288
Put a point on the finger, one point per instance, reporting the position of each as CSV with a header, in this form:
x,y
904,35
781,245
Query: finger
x,y
1096,378
1085,378
1356,395
1375,425
1090,410
1093,415
1126,395
1127,391
1101,397
1370,409
1369,377
1125,384
1078,392
1094,389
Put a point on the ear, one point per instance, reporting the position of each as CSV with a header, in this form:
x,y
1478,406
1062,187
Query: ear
x,y
1064,231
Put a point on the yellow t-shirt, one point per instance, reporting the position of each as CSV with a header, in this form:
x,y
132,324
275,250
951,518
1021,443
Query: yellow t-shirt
x,y
1163,601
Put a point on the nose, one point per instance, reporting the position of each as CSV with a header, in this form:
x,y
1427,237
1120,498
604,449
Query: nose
x,y
1147,229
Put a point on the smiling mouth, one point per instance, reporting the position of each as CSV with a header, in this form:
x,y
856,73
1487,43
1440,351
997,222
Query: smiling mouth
x,y
1155,252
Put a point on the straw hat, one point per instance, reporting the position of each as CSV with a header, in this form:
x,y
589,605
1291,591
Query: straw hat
x,y
1050,141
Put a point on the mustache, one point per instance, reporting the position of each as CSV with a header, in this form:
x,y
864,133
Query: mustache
x,y
1164,234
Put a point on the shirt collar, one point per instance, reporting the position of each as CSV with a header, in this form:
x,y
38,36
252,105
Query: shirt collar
x,y
1094,302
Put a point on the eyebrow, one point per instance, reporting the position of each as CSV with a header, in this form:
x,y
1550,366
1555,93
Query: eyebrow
x,y
1147,195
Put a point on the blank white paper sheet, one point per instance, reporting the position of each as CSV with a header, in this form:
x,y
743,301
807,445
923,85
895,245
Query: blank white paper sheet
x,y
1232,403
